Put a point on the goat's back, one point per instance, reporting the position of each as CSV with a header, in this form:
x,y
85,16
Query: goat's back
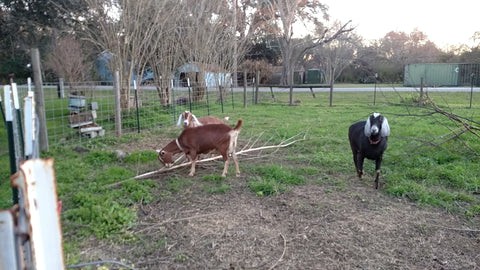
x,y
355,131
205,138
209,120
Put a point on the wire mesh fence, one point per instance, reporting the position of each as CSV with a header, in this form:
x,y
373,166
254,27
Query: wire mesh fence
x,y
91,105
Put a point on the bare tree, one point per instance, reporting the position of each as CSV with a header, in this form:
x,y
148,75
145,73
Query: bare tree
x,y
284,14
211,40
68,60
160,51
162,35
336,56
124,29
397,49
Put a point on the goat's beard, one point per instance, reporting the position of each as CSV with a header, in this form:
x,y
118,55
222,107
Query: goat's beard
x,y
374,139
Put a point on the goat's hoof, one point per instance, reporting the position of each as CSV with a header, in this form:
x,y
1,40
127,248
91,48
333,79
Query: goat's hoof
x,y
237,175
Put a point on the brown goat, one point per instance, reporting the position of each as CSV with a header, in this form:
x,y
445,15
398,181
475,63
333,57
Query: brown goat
x,y
201,140
188,119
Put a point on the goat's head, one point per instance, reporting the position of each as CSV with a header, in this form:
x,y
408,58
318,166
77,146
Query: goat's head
x,y
165,157
183,118
376,128
187,119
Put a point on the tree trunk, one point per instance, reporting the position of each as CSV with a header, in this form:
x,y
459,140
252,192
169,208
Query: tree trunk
x,y
197,83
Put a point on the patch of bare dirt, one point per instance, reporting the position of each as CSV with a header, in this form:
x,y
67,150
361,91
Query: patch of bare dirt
x,y
308,227
312,226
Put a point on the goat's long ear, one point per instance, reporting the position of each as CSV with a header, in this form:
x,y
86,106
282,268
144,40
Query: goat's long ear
x,y
180,120
366,130
195,119
385,132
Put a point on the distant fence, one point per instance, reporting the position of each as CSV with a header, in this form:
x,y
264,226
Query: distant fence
x,y
79,111
91,107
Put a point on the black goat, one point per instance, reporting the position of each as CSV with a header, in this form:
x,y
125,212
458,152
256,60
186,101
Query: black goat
x,y
368,139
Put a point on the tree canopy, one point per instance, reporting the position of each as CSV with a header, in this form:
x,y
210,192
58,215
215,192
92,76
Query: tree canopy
x,y
167,33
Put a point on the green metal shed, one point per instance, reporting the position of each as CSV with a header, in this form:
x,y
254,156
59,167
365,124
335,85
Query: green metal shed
x,y
433,74
314,76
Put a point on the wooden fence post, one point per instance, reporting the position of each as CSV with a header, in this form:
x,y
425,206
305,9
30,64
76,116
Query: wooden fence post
x,y
39,100
118,108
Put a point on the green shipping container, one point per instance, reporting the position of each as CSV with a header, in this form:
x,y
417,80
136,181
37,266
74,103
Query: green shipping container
x,y
433,74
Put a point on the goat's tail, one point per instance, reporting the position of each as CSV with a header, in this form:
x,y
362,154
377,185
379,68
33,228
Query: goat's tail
x,y
239,124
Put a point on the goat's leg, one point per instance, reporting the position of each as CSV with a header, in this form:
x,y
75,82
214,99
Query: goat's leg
x,y
235,160
192,168
378,163
355,161
225,167
359,164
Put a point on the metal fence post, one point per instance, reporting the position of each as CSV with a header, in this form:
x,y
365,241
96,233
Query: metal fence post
x,y
257,82
9,117
471,89
136,104
244,88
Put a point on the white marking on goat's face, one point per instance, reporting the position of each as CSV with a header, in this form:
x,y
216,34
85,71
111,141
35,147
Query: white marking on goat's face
x,y
165,158
187,118
373,124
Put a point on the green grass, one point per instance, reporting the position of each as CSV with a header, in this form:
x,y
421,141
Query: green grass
x,y
272,179
96,193
421,162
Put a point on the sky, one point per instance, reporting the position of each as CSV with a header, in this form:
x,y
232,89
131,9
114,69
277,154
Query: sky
x,y
445,23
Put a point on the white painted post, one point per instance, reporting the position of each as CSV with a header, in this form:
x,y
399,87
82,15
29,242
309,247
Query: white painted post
x,y
36,179
31,147
8,256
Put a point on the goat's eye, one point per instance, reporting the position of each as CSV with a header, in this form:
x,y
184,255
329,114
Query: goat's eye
x,y
162,153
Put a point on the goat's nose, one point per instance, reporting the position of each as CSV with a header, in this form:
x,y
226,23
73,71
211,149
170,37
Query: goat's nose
x,y
374,130
185,123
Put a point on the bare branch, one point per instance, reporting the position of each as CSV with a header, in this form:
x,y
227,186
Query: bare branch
x,y
282,144
283,253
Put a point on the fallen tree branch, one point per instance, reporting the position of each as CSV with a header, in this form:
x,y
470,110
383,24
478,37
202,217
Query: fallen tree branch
x,y
282,144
